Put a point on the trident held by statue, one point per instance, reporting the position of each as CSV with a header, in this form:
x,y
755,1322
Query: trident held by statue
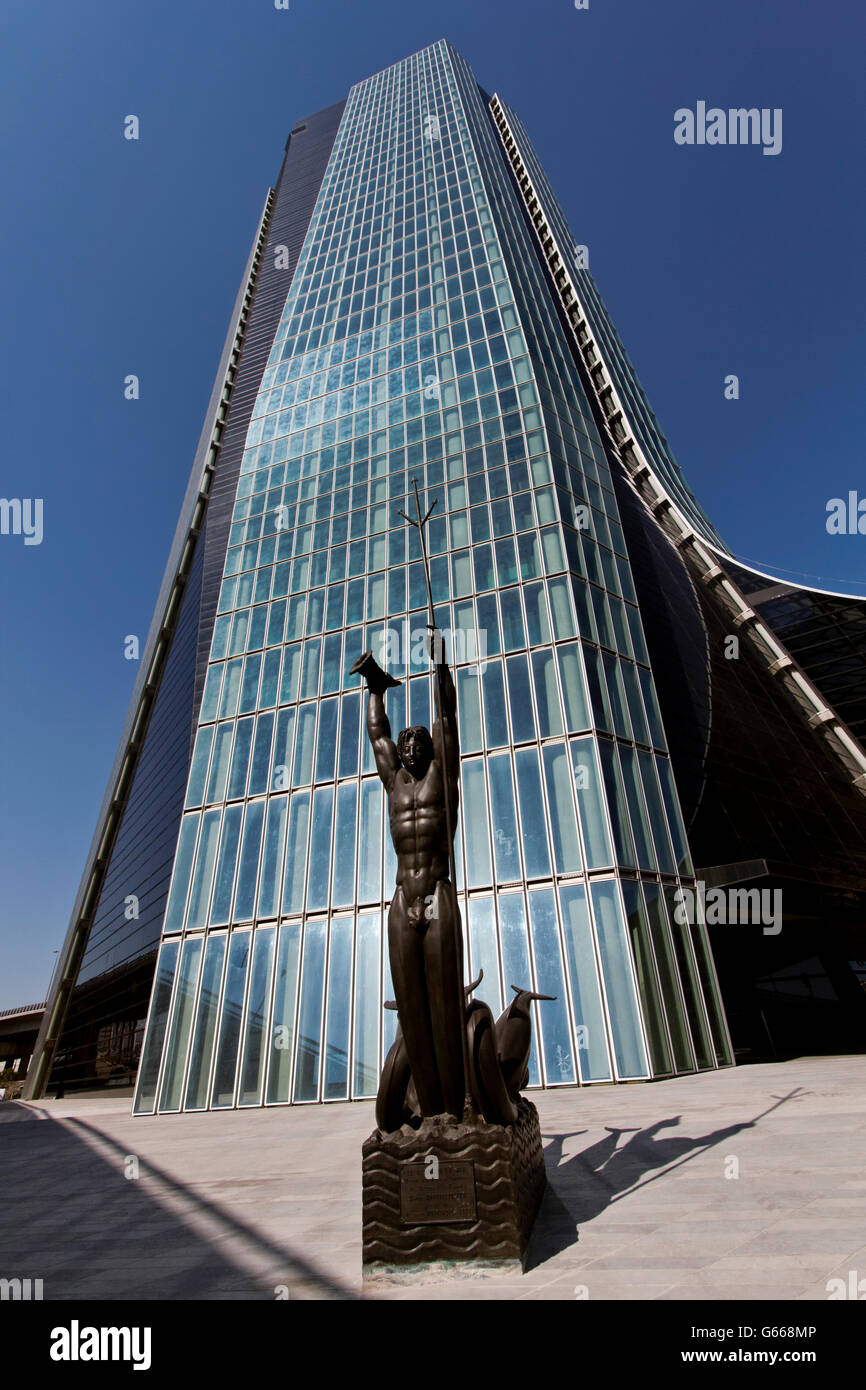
x,y
437,657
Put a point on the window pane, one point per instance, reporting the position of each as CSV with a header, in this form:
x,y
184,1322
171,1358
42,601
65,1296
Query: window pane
x,y
204,869
216,785
488,623
639,818
350,708
205,1024
573,689
516,969
365,1077
469,710
326,740
520,699
709,985
635,705
652,708
546,693
370,843
691,987
561,610
296,853
250,686
597,689
656,814
479,872
555,1032
320,850
343,893
483,953
223,1091
616,804
272,858
260,770
310,669
505,836
675,820
628,1045
332,663
240,759
304,746
647,986
283,1026
258,1001
419,700
563,823
506,561
210,698
225,874
495,719
660,933
339,1006
532,820
228,706
198,769
592,1052
310,1022
180,876
590,802
156,1026
616,695
513,634
281,756
536,614
291,674
248,868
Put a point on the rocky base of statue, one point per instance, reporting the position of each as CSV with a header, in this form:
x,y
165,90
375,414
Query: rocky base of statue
x,y
450,1192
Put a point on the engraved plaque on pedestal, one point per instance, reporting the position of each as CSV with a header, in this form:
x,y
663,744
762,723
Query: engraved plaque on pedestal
x,y
442,1200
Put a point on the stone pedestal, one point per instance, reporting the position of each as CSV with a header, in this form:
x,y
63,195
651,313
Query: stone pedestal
x,y
451,1192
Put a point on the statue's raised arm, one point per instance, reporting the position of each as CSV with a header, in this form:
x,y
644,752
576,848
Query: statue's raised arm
x,y
378,723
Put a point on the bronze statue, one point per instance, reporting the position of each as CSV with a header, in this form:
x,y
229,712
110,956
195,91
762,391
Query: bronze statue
x,y
449,1089
449,1057
420,775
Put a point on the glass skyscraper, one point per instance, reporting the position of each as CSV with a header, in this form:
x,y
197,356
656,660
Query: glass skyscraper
x,y
415,311
418,342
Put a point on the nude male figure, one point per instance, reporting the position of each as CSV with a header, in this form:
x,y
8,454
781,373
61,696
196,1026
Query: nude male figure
x,y
423,922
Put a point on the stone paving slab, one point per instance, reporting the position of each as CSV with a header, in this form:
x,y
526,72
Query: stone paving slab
x,y
748,1183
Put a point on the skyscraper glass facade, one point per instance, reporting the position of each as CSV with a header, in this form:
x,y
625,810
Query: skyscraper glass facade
x,y
420,342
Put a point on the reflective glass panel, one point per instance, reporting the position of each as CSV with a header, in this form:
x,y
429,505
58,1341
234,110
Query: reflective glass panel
x,y
628,1045
258,1003
201,1051
223,1091
555,1032
157,1022
310,1019
339,1008
592,1052
283,1024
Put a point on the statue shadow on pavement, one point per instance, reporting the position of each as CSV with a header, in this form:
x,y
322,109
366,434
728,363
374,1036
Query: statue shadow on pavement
x,y
582,1186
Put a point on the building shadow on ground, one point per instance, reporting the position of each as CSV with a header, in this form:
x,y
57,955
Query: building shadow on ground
x,y
74,1220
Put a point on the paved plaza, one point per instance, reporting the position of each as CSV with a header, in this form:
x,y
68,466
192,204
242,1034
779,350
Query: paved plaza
x,y
746,1183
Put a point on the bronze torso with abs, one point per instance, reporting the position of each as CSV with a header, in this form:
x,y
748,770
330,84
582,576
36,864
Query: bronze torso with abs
x,y
417,815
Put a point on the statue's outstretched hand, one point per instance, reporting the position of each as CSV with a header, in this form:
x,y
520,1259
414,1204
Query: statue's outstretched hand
x,y
378,681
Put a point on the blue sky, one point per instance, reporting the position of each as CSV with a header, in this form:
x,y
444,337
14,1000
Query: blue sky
x,y
124,257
